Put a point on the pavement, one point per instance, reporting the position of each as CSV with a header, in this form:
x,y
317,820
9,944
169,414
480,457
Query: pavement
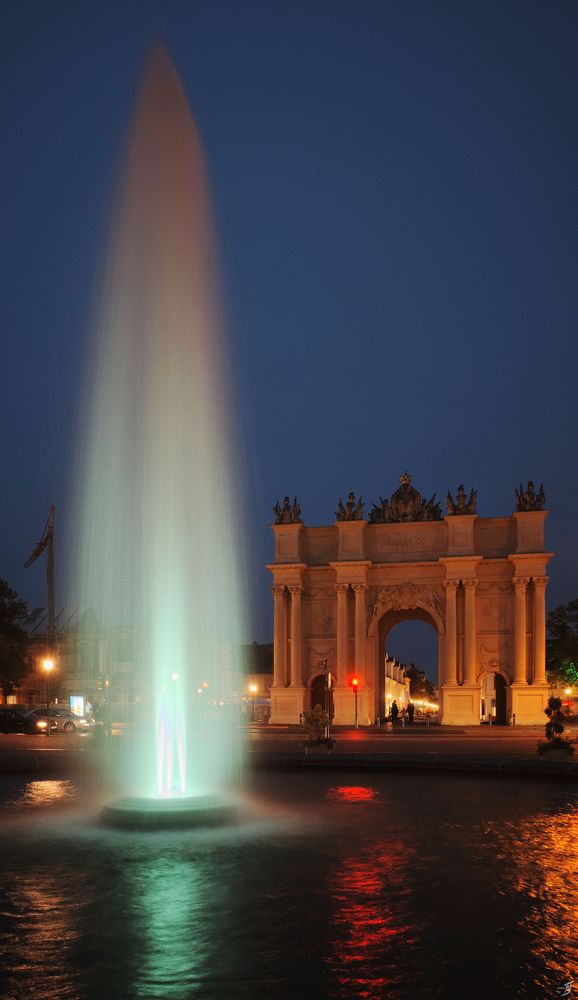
x,y
478,750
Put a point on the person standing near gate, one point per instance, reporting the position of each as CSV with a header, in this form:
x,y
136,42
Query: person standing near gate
x,y
394,712
410,713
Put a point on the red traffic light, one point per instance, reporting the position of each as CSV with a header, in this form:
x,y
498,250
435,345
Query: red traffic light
x,y
355,682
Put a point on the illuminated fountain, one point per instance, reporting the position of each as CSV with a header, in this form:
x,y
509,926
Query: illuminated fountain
x,y
158,555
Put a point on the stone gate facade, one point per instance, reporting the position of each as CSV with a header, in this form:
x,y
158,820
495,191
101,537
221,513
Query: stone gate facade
x,y
480,582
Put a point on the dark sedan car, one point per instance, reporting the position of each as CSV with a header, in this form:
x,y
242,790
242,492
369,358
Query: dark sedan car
x,y
18,720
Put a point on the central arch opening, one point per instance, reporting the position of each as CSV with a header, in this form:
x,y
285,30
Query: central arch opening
x,y
407,639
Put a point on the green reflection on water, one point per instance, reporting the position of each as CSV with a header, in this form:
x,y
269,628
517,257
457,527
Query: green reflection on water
x,y
169,909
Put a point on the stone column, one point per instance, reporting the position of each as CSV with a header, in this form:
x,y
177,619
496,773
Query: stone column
x,y
470,636
520,584
540,629
451,633
360,591
278,636
342,638
296,636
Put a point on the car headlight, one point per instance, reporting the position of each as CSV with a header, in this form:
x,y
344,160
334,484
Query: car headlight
x,y
41,724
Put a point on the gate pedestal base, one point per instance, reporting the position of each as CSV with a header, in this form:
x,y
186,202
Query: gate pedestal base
x,y
287,704
460,705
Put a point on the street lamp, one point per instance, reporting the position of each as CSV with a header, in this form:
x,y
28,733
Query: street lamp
x,y
47,666
253,690
355,686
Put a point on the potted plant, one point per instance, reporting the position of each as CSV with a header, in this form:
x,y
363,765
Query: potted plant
x,y
316,724
555,747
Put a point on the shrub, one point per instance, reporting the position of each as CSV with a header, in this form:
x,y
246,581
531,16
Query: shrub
x,y
554,729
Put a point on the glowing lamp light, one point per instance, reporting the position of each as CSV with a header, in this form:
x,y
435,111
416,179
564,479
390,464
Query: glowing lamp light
x,y
567,690
48,665
355,682
252,688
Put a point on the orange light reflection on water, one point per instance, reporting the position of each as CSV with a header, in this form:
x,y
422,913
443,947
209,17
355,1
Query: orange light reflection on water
x,y
544,866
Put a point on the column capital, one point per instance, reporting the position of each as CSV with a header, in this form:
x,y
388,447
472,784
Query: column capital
x,y
470,584
360,588
278,590
341,588
295,589
541,582
521,582
451,584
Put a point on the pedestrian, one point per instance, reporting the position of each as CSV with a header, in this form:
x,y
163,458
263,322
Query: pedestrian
x,y
104,717
410,713
394,712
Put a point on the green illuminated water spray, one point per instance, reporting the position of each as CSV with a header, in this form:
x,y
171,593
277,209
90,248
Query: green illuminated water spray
x,y
158,558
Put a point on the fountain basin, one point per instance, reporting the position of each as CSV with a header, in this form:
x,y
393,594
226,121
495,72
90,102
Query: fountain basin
x,y
166,813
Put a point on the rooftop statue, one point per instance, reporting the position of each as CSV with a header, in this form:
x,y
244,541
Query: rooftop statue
x,y
528,499
460,505
288,513
406,505
351,511
381,512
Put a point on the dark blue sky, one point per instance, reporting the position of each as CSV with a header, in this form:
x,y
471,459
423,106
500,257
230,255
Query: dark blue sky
x,y
396,198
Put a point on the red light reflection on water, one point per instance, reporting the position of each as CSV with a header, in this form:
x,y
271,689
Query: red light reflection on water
x,y
352,793
370,933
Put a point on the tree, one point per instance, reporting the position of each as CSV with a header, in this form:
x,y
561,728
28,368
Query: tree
x,y
554,729
419,685
13,639
562,643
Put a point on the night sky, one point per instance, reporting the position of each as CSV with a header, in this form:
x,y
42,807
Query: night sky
x,y
397,207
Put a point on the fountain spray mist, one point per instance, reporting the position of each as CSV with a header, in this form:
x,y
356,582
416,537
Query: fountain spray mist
x,y
158,555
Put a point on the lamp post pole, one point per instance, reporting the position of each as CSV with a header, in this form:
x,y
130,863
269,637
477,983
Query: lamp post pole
x,y
48,666
252,689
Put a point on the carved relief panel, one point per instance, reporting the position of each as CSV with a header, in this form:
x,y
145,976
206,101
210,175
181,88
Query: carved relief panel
x,y
315,654
495,607
494,654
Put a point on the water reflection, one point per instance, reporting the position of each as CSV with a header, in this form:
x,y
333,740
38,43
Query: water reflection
x,y
41,932
405,888
168,907
544,873
48,793
369,892
352,793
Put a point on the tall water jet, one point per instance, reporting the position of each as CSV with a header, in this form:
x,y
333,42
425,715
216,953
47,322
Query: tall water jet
x,y
158,555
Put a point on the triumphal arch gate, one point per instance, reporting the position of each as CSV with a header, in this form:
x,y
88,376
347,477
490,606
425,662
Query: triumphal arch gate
x,y
480,583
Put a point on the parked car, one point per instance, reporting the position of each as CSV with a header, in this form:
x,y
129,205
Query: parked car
x,y
20,720
62,720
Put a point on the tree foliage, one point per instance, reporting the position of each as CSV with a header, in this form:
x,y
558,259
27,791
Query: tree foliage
x,y
419,685
315,722
554,729
562,643
13,639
